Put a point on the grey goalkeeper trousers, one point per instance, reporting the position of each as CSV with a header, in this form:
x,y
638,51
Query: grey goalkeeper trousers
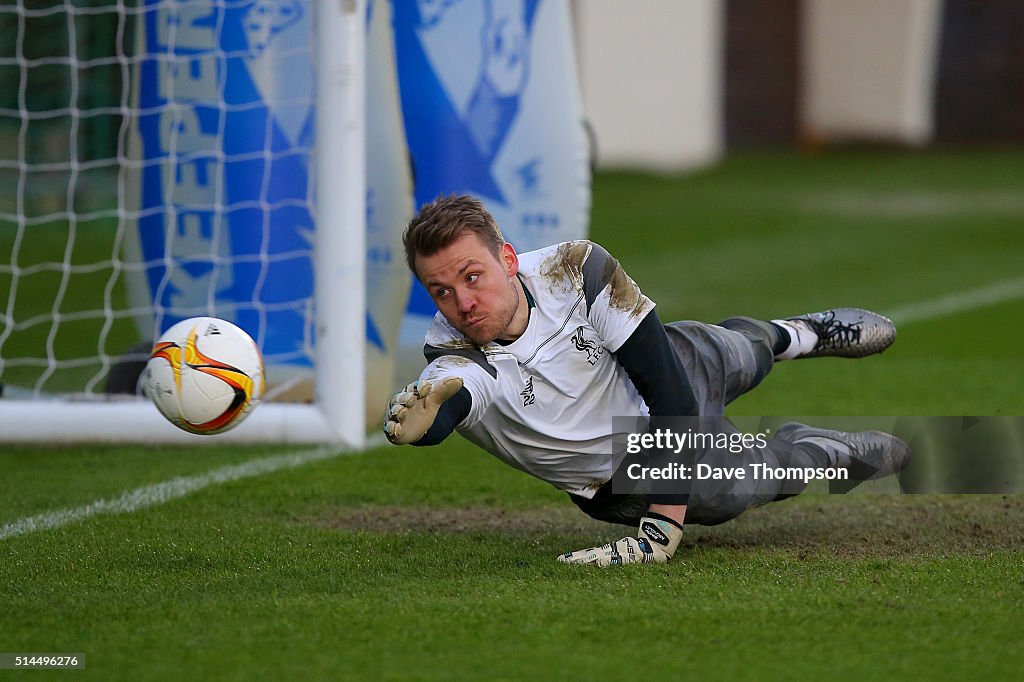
x,y
722,362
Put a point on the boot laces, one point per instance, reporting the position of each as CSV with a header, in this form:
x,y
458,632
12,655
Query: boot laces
x,y
834,333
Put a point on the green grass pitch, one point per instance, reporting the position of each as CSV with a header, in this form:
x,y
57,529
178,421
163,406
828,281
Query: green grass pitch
x,y
402,563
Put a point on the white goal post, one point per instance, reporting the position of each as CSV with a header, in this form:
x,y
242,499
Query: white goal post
x,y
67,311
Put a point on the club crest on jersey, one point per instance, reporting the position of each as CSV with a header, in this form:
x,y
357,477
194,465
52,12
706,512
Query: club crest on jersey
x,y
527,393
585,345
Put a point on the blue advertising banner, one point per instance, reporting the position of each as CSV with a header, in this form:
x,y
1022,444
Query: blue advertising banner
x,y
491,103
225,126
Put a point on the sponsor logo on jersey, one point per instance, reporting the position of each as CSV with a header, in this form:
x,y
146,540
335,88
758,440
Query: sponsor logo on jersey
x,y
585,345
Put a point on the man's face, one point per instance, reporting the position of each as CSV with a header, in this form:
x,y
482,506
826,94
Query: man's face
x,y
474,289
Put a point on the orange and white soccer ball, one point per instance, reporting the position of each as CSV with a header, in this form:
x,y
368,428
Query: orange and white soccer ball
x,y
205,375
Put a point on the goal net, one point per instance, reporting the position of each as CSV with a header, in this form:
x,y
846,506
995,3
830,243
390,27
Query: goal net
x,y
160,160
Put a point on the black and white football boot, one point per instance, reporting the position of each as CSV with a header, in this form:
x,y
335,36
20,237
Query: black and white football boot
x,y
847,332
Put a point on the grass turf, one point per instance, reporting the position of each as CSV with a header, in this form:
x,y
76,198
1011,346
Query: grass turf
x,y
410,564
439,564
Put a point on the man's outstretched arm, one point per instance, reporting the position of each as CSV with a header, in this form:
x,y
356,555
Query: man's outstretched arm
x,y
655,370
660,379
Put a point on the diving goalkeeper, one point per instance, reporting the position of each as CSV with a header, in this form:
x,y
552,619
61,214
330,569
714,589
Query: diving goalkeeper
x,y
531,356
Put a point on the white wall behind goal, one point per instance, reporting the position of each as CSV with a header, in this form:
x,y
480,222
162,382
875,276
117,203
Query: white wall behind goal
x,y
651,75
869,69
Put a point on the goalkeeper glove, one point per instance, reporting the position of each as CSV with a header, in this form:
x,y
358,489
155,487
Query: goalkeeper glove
x,y
412,411
655,543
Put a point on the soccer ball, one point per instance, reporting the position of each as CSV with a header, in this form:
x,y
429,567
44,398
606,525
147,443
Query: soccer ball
x,y
205,375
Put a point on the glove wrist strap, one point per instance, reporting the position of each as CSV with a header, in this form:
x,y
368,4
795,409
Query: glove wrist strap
x,y
662,532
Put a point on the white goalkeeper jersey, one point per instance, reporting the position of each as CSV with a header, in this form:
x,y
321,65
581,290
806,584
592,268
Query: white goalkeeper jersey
x,y
545,402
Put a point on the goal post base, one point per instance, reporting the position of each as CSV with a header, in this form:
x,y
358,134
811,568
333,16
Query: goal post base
x,y
137,421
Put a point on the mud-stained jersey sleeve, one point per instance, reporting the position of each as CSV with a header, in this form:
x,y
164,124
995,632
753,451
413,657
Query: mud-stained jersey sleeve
x,y
452,413
615,304
476,375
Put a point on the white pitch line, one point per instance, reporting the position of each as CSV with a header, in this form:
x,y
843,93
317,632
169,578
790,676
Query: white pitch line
x,y
172,489
1000,292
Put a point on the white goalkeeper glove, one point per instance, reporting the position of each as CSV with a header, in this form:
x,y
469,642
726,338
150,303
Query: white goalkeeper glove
x,y
412,411
655,543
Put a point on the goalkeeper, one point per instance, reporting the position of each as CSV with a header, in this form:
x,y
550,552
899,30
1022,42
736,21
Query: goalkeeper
x,y
533,354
